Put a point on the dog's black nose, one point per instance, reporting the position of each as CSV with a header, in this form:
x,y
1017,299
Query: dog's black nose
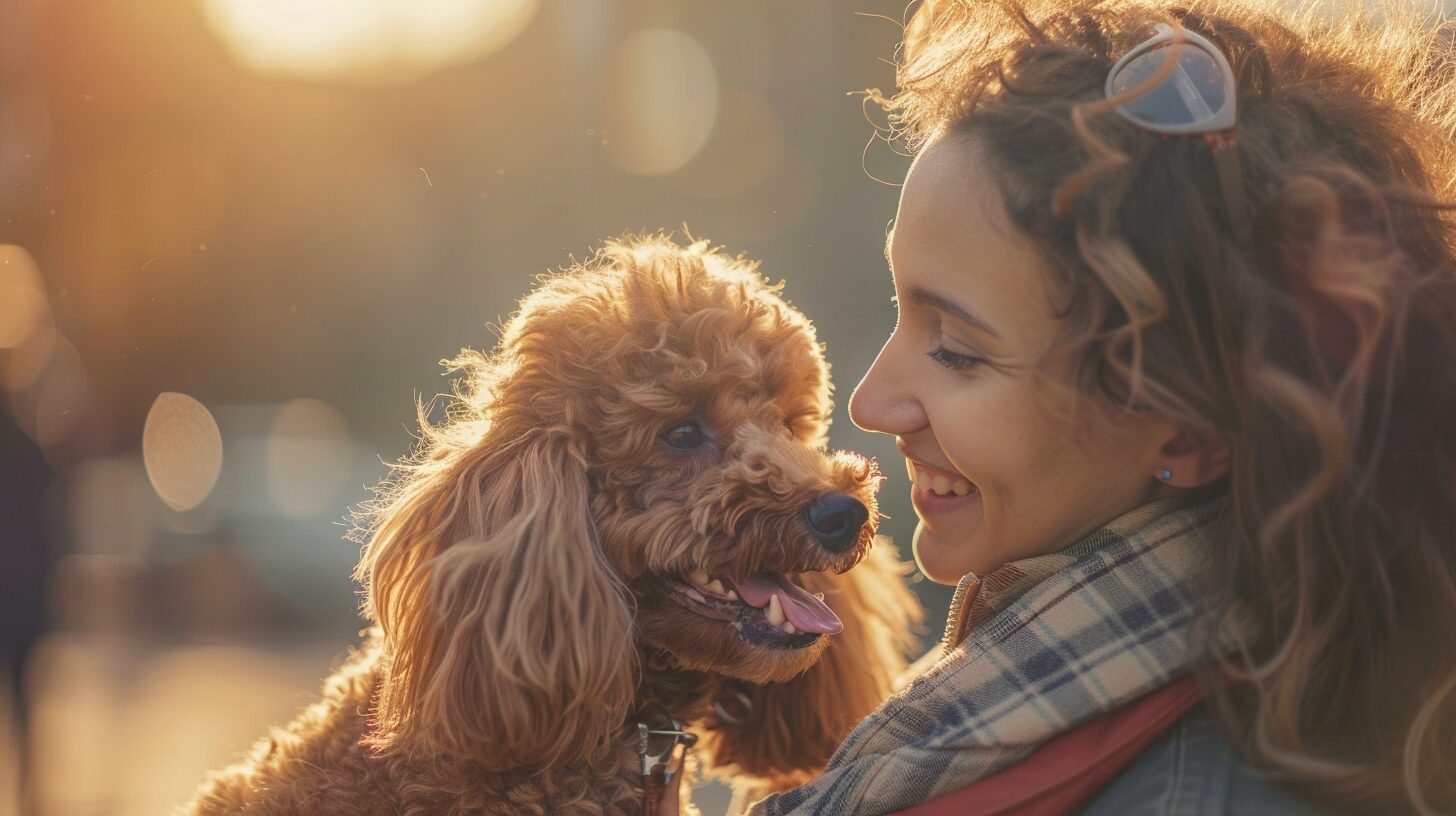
x,y
836,520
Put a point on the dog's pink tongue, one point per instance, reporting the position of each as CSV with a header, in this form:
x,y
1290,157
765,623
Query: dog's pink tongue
x,y
806,612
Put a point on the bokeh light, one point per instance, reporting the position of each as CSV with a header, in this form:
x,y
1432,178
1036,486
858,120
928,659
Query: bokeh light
x,y
182,450
60,394
25,361
307,458
23,306
27,327
383,40
659,101
56,399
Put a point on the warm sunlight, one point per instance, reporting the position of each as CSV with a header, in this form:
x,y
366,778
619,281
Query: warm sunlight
x,y
389,40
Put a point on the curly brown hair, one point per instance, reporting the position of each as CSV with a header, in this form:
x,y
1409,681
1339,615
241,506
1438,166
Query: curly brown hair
x,y
1320,351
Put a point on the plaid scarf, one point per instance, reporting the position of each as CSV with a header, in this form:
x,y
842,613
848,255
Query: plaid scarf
x,y
1081,632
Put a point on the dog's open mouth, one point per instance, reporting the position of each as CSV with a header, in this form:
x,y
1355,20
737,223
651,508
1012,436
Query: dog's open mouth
x,y
766,609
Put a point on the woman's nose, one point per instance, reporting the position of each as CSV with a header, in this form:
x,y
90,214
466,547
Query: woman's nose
x,y
883,401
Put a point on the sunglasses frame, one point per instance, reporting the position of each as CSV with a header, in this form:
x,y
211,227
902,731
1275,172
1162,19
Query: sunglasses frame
x,y
1219,132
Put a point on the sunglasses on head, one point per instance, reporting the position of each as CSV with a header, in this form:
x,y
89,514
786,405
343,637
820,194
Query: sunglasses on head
x,y
1178,84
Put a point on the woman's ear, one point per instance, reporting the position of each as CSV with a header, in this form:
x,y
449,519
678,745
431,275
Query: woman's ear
x,y
508,637
1189,460
791,729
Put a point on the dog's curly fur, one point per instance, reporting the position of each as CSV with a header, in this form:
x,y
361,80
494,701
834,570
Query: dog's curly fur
x,y
520,565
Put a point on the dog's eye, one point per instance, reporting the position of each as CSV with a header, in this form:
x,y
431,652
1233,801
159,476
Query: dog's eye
x,y
686,436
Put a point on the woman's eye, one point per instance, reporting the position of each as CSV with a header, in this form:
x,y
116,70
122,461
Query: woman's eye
x,y
950,359
686,436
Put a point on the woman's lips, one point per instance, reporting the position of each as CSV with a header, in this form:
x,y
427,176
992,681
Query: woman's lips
x,y
928,503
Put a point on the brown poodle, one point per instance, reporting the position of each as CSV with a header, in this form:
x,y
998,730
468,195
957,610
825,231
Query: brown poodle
x,y
628,515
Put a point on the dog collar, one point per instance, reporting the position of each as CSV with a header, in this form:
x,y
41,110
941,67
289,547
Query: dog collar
x,y
655,747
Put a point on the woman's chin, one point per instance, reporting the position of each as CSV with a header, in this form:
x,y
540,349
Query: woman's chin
x,y
944,562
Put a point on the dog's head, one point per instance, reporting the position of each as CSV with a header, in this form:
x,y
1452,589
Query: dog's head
x,y
642,461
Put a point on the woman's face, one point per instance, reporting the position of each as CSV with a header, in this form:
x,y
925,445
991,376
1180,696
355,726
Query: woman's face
x,y
1001,468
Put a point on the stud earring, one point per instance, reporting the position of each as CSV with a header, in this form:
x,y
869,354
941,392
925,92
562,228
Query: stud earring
x,y
1165,474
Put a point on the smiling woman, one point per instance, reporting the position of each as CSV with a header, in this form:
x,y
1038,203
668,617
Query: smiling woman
x,y
991,409
1167,455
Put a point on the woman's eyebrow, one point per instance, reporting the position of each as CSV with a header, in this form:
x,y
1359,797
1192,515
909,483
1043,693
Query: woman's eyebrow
x,y
925,297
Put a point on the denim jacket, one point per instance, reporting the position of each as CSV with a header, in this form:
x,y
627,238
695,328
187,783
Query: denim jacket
x,y
1191,771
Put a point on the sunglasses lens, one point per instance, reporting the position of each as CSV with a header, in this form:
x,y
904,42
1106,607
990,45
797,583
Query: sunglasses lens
x,y
657,744
1193,91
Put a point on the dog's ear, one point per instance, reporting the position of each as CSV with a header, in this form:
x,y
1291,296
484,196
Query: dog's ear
x,y
792,728
508,637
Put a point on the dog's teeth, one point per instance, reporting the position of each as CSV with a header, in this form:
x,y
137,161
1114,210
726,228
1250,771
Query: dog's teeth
x,y
715,587
775,612
961,487
731,595
789,628
699,577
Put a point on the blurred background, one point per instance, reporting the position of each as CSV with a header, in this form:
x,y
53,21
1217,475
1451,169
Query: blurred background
x,y
236,236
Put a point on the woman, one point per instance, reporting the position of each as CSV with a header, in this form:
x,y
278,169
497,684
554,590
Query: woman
x,y
1173,374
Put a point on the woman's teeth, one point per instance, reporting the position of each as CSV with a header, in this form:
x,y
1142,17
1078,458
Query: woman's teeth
x,y
939,485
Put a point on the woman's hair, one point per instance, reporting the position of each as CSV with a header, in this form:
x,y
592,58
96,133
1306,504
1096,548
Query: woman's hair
x,y
1321,350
